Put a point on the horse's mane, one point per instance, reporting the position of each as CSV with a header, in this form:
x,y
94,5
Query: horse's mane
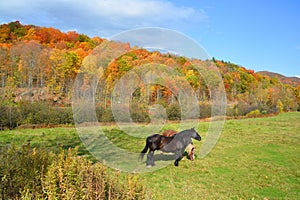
x,y
184,132
169,136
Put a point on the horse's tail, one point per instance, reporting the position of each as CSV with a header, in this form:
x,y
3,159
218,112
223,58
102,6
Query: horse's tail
x,y
144,151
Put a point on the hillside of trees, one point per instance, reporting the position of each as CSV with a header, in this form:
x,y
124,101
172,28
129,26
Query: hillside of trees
x,y
294,81
38,67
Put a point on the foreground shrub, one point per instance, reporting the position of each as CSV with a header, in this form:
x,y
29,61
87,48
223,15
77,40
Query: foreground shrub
x,y
74,177
30,173
22,169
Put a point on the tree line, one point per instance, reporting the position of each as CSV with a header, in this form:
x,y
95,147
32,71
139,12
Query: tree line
x,y
39,64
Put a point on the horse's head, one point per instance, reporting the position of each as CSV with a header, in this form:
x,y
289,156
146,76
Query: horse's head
x,y
195,134
191,151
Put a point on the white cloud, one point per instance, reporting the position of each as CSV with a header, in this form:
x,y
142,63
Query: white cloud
x,y
138,8
102,17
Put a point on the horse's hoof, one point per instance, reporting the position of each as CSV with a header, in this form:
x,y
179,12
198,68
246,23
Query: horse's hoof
x,y
176,164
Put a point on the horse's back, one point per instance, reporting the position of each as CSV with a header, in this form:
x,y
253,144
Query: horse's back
x,y
153,137
169,133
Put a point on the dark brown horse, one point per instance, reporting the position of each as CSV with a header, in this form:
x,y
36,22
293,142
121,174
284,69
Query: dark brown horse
x,y
190,148
175,144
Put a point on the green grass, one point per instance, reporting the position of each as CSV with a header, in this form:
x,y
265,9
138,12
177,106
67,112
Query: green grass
x,y
51,138
253,159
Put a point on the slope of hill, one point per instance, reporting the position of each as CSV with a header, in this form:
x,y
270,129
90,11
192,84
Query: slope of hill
x,y
294,81
41,64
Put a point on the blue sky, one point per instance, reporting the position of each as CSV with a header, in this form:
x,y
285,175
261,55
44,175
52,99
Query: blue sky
x,y
257,34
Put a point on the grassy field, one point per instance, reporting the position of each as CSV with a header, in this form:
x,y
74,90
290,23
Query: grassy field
x,y
253,159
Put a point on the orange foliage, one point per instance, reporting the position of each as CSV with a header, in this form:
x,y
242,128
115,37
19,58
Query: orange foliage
x,y
60,55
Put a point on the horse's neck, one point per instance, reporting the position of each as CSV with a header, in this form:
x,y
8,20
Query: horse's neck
x,y
186,136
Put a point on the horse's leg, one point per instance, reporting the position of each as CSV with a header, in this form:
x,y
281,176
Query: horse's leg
x,y
179,156
152,158
148,163
176,163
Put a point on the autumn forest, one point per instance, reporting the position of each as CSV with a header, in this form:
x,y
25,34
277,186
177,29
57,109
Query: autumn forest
x,y
38,67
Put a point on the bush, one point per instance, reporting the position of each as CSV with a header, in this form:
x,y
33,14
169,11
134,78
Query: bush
x,y
83,113
231,111
267,109
173,111
107,116
9,117
99,112
60,115
42,113
243,108
30,173
22,169
205,109
139,113
74,177
253,113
